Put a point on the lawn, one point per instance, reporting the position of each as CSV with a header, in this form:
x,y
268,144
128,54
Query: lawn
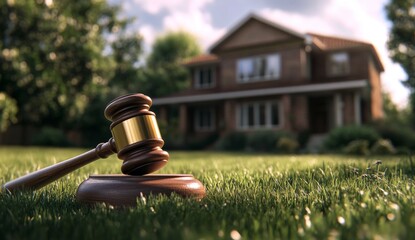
x,y
249,196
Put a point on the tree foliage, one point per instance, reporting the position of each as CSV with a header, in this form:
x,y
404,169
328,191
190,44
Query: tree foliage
x,y
164,73
8,111
402,37
126,52
172,48
52,56
393,114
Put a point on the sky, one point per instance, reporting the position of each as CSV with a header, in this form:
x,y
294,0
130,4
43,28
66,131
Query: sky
x,y
209,20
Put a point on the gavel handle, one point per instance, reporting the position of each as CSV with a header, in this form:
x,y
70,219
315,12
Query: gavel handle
x,y
42,177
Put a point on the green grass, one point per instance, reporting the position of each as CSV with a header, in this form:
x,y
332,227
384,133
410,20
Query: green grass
x,y
256,196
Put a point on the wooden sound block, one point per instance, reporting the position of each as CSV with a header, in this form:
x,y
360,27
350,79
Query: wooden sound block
x,y
123,190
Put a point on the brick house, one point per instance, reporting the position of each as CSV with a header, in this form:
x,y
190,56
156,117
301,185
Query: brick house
x,y
263,76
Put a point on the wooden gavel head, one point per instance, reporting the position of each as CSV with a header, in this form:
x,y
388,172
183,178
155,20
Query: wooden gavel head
x,y
136,134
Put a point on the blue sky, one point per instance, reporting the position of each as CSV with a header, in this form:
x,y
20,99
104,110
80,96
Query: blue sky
x,y
208,20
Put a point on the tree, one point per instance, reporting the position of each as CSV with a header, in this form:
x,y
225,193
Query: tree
x,y
126,52
52,56
172,48
401,42
8,111
164,73
392,112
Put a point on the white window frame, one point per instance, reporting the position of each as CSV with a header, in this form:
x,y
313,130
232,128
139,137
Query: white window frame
x,y
198,114
250,62
242,121
333,68
198,83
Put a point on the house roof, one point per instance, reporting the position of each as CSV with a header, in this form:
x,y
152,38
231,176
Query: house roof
x,y
329,43
201,59
332,43
323,42
250,17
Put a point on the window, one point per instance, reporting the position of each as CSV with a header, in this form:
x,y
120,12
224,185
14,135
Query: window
x,y
204,77
256,115
338,64
259,68
204,119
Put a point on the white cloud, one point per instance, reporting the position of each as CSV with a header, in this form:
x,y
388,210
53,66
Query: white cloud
x,y
361,20
149,35
196,22
180,15
156,6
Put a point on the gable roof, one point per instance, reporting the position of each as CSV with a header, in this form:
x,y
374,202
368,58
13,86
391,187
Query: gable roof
x,y
245,21
332,43
323,42
336,43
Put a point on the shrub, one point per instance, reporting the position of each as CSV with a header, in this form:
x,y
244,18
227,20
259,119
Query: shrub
x,y
303,137
287,145
402,137
383,146
340,137
264,141
233,141
201,142
50,137
357,147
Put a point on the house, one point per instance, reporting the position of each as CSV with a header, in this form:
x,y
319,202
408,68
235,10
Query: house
x,y
263,76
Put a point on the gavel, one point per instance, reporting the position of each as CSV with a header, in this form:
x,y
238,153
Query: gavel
x,y
135,138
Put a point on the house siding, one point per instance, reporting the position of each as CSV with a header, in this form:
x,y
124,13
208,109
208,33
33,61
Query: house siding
x,y
376,91
348,108
300,112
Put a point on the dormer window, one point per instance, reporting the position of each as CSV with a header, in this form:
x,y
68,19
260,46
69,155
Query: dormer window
x,y
338,64
204,77
259,68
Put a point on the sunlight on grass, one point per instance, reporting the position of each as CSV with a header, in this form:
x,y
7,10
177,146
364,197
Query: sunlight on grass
x,y
249,196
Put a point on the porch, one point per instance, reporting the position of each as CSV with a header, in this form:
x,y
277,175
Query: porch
x,y
316,113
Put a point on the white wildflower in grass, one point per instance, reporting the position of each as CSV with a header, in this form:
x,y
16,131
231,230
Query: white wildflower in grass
x,y
363,205
384,192
390,216
361,192
308,210
142,198
341,220
235,235
307,221
394,206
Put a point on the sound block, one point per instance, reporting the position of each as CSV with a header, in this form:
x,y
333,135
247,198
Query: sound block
x,y
123,190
